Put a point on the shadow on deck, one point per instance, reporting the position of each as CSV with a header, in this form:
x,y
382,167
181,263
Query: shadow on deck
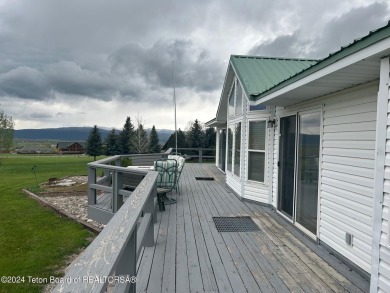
x,y
191,256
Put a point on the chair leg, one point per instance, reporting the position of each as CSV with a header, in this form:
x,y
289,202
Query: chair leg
x,y
160,201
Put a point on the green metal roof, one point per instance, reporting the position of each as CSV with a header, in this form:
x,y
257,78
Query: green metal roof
x,y
259,74
357,45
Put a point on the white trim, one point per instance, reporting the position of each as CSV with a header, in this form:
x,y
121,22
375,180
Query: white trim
x,y
380,151
344,62
270,158
320,111
320,172
265,151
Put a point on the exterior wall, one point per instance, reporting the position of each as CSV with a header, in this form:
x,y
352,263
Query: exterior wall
x,y
380,274
346,169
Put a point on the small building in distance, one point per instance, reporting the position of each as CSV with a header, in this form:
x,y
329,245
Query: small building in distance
x,y
71,147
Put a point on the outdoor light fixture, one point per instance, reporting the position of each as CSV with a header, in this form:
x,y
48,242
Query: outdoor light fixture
x,y
271,123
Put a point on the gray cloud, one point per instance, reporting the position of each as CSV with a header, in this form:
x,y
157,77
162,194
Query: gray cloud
x,y
24,82
117,55
194,67
339,31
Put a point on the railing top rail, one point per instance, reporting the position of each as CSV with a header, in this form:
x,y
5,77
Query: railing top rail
x,y
101,257
117,157
195,149
119,169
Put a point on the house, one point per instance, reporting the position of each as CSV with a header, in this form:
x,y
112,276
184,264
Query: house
x,y
311,139
67,147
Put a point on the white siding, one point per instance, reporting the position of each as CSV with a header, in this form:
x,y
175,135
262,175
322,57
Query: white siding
x,y
233,182
347,169
347,188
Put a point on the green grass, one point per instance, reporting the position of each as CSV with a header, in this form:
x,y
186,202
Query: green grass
x,y
35,241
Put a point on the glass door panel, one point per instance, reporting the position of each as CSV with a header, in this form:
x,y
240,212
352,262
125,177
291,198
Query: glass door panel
x,y
287,165
307,170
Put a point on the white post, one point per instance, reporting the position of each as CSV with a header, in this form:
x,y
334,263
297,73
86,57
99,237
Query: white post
x,y
380,156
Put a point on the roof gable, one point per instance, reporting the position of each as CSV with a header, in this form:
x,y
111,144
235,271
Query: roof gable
x,y
259,74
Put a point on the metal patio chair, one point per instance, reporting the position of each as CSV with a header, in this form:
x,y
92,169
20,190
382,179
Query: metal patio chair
x,y
166,181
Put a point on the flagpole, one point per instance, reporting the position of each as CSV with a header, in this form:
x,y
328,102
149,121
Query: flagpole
x,y
174,100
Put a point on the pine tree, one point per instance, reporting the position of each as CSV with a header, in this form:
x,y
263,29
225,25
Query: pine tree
x,y
94,143
126,137
181,141
210,138
111,142
154,141
140,140
196,135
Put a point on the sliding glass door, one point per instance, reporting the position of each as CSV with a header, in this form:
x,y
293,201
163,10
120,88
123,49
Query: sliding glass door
x,y
307,171
299,149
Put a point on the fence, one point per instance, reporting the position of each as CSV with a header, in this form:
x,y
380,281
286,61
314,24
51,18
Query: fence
x,y
199,153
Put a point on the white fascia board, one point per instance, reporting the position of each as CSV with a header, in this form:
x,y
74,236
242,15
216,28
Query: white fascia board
x,y
223,90
365,53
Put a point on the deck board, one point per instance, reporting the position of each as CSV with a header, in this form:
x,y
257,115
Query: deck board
x,y
190,255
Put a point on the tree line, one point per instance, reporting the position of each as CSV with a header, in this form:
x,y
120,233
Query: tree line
x,y
131,140
194,137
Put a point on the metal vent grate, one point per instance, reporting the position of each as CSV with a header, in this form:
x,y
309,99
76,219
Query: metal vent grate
x,y
205,178
235,224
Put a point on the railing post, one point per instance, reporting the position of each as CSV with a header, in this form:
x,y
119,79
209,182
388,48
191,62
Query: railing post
x,y
91,191
127,265
118,162
200,155
154,206
150,208
117,199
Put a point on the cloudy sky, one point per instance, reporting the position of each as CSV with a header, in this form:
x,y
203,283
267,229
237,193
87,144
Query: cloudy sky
x,y
81,63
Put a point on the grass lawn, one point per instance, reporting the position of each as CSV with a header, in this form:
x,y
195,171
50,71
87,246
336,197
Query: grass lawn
x,y
35,241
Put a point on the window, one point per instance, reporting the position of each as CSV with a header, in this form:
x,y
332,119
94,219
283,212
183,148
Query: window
x,y
256,150
230,149
237,148
257,107
238,107
231,103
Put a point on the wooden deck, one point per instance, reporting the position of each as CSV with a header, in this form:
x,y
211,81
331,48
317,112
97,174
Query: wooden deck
x,y
191,256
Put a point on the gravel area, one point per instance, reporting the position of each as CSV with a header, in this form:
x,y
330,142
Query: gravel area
x,y
71,202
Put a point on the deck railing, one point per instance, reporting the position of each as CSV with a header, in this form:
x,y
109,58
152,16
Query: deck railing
x,y
111,259
199,153
109,180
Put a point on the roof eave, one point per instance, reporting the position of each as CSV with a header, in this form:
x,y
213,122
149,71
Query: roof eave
x,y
364,46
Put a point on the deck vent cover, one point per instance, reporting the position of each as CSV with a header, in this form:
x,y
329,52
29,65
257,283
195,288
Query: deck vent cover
x,y
205,178
235,224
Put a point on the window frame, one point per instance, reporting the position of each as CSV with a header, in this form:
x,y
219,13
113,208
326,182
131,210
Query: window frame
x,y
265,151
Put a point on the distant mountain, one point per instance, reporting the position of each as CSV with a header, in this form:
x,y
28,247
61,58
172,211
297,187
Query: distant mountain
x,y
73,134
